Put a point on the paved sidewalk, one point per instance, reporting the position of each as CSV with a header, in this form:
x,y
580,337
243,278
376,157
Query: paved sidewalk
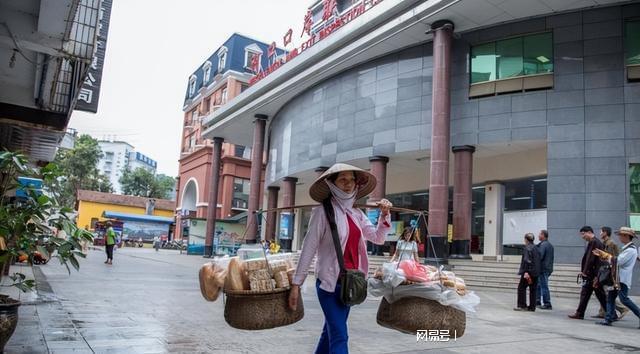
x,y
149,302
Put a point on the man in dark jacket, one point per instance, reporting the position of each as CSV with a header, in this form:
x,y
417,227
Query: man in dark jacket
x,y
529,272
590,265
546,268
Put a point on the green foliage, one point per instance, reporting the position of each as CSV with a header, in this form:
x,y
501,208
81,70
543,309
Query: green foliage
x,y
26,225
143,183
77,169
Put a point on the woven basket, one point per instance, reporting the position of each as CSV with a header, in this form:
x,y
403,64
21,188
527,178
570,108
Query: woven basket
x,y
410,314
253,310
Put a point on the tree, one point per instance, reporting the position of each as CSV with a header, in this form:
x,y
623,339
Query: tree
x,y
143,183
77,169
166,184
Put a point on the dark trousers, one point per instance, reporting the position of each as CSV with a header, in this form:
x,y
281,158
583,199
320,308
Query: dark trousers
x,y
109,249
585,295
522,292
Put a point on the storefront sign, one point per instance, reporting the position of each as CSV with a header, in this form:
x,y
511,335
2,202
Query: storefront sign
x,y
90,90
332,22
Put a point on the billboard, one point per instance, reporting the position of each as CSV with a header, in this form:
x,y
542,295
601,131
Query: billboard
x,y
144,229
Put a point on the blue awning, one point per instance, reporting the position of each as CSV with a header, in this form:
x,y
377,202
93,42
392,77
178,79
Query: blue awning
x,y
137,217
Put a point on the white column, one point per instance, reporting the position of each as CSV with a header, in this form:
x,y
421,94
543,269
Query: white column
x,y
493,207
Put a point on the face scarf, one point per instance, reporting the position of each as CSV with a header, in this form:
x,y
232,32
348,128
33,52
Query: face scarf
x,y
345,200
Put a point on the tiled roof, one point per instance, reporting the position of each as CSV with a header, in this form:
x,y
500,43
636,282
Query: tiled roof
x,y
119,199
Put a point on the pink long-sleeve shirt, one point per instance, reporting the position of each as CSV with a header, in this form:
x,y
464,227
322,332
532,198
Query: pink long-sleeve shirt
x,y
319,241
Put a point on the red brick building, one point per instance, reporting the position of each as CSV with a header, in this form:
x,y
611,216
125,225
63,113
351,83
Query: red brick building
x,y
223,76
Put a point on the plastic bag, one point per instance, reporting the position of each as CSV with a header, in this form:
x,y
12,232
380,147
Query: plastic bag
x,y
391,275
456,295
246,252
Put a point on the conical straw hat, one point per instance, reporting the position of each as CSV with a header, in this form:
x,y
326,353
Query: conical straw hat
x,y
365,181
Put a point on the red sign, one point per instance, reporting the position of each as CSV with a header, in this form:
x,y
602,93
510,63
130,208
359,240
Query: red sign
x,y
328,7
330,11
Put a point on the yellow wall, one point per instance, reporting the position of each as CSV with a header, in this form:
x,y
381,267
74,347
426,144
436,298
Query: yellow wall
x,y
88,210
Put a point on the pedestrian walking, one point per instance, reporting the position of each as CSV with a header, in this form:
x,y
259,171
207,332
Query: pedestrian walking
x,y
622,267
589,272
610,247
156,243
407,246
545,249
529,272
338,188
110,242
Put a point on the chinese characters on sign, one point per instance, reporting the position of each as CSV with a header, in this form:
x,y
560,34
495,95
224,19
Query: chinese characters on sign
x,y
90,91
435,335
333,20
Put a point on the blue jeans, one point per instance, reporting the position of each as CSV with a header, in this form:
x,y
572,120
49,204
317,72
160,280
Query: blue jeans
x,y
543,289
335,337
623,294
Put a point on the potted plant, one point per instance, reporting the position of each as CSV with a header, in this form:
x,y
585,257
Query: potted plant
x,y
28,218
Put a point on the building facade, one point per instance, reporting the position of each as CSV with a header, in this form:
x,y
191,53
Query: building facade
x,y
222,77
139,160
115,158
499,118
54,54
118,156
97,206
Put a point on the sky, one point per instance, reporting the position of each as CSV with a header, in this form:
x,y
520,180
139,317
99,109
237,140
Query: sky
x,y
153,47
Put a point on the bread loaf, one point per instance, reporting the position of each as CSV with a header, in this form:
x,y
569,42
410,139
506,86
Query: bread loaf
x,y
210,277
237,278
260,274
449,283
282,280
255,264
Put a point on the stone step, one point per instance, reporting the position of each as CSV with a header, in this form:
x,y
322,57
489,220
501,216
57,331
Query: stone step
x,y
558,282
555,291
563,274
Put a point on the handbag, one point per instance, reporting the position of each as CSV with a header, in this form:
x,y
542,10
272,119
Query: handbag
x,y
353,283
605,275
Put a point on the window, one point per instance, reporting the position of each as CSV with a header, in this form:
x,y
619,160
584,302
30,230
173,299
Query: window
x,y
194,117
239,150
634,196
249,56
632,42
207,71
513,57
192,141
243,87
94,221
222,59
207,104
192,85
224,95
240,193
525,194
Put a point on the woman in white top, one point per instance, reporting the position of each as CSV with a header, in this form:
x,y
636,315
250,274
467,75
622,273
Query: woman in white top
x,y
407,247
